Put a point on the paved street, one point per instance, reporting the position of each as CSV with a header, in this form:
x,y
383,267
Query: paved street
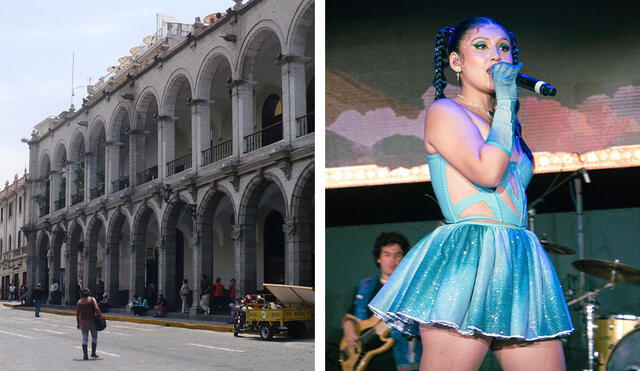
x,y
52,342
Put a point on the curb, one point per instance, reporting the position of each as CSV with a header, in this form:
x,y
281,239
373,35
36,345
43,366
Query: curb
x,y
159,322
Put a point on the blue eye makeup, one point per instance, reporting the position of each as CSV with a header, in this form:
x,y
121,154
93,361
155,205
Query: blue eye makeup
x,y
480,45
505,47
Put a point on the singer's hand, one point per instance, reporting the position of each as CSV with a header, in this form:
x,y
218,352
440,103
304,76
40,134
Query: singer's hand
x,y
504,79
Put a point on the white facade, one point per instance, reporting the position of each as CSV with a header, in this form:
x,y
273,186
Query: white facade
x,y
226,123
13,244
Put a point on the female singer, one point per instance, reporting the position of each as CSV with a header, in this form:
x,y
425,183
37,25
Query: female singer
x,y
482,281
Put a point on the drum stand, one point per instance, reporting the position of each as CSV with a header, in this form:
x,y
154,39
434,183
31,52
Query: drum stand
x,y
590,309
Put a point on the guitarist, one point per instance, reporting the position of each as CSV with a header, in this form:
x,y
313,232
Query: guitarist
x,y
388,251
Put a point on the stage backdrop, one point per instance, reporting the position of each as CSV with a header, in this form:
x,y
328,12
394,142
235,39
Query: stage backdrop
x,y
379,57
609,235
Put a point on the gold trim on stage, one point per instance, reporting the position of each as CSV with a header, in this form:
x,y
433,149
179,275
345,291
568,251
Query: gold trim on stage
x,y
546,162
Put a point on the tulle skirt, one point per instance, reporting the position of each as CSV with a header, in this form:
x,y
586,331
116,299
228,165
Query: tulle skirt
x,y
489,278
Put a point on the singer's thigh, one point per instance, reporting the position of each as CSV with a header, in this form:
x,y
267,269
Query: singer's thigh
x,y
445,349
546,355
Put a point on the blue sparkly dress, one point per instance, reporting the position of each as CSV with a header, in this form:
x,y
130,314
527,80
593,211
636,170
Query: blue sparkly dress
x,y
475,276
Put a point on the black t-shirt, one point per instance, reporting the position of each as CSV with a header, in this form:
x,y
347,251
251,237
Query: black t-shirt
x,y
37,292
383,361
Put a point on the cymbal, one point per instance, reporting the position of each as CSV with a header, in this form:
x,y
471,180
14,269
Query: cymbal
x,y
604,268
556,248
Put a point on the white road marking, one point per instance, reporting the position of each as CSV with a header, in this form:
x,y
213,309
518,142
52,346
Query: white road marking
x,y
115,333
101,352
51,331
22,336
22,319
48,324
216,348
133,328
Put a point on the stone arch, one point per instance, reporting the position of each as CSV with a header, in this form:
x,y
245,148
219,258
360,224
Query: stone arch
x,y
44,193
42,243
146,96
144,240
301,25
59,156
74,247
253,43
300,228
178,124
93,251
120,115
117,277
215,227
97,159
215,114
77,166
176,80
262,196
211,62
118,158
176,254
261,90
59,175
144,145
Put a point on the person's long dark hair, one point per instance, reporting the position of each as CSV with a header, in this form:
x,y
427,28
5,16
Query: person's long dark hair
x,y
448,41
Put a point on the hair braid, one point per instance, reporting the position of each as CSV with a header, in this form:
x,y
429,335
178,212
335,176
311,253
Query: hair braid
x,y
441,60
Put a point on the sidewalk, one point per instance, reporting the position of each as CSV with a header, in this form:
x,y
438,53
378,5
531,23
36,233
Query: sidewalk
x,y
199,322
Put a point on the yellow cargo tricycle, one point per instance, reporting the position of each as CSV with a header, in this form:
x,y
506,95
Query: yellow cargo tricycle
x,y
284,310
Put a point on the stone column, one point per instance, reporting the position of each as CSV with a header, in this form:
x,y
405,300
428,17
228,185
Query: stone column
x,y
245,258
32,255
200,118
112,279
243,113
112,170
138,261
52,274
166,143
136,155
71,274
298,251
294,94
90,175
167,270
90,260
54,176
202,263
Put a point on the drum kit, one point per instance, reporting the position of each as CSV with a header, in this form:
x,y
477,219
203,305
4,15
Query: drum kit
x,y
613,342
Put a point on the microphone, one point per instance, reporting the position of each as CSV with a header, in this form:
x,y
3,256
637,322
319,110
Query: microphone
x,y
535,85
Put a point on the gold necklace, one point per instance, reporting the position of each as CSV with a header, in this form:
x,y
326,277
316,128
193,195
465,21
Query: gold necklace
x,y
488,112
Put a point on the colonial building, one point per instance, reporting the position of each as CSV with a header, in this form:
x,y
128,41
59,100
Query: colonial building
x,y
194,156
13,244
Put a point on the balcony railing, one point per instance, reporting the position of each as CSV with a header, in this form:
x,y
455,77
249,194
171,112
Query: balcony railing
x,y
179,165
59,204
217,152
18,252
263,137
148,175
305,124
120,184
77,198
97,191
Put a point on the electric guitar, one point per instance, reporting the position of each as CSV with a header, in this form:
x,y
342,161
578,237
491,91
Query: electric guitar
x,y
374,339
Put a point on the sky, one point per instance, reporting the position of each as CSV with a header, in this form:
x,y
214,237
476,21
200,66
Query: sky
x,y
37,41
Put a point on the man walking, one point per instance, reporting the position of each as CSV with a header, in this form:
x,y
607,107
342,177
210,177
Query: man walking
x,y
36,294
